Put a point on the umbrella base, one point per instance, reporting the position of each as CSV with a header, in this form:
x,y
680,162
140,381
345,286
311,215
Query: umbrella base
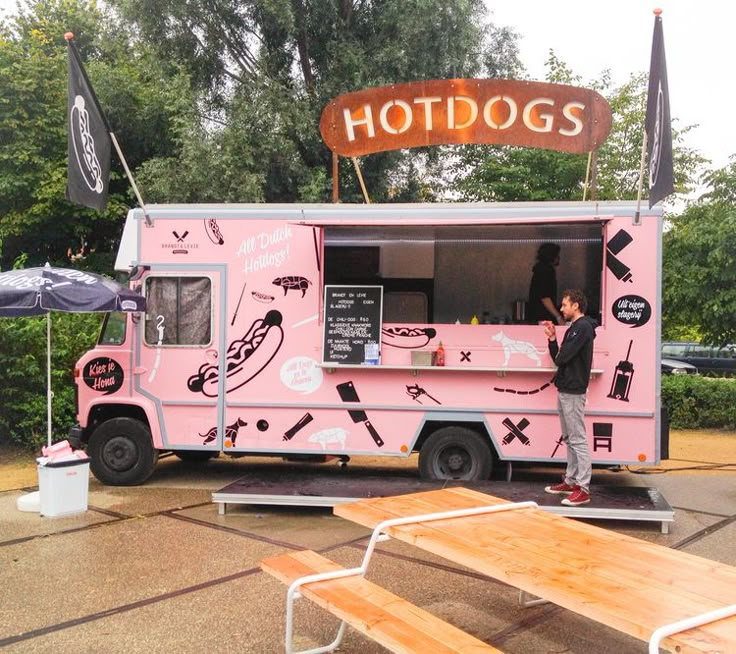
x,y
30,502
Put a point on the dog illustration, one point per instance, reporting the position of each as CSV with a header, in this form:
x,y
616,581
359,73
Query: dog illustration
x,y
510,346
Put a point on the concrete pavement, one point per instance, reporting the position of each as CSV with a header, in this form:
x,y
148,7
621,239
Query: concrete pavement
x,y
156,569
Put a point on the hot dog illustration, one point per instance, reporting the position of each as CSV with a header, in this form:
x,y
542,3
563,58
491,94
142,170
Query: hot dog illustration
x,y
293,283
84,146
213,231
246,357
407,338
262,297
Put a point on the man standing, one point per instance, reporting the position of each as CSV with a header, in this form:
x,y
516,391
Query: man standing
x,y
573,358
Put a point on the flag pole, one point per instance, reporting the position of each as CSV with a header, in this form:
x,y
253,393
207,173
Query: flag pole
x,y
49,392
637,215
69,36
130,178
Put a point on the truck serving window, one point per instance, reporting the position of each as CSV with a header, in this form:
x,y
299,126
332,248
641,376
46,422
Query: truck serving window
x,y
178,311
442,274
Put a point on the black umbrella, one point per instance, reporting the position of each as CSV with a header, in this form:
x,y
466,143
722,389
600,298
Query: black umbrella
x,y
35,291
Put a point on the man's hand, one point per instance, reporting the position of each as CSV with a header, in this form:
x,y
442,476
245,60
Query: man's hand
x,y
549,330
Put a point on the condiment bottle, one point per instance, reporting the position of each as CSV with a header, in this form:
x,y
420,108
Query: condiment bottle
x,y
474,320
439,355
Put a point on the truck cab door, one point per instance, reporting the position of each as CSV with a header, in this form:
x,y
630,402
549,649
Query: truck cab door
x,y
178,366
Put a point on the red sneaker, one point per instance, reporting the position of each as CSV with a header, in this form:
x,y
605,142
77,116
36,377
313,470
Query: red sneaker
x,y
560,489
578,496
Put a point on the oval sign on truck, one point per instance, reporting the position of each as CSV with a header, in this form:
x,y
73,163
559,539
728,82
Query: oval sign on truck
x,y
492,111
104,375
632,310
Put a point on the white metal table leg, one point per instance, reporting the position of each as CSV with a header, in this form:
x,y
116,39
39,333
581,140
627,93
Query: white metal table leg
x,y
688,623
525,602
293,594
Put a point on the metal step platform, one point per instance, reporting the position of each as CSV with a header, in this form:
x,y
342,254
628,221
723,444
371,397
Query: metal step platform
x,y
326,489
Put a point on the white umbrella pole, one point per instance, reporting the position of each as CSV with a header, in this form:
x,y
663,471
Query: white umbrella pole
x,y
48,375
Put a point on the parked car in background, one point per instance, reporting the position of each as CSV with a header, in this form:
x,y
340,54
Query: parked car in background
x,y
720,361
675,367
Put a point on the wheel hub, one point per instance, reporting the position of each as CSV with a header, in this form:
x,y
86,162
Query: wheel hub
x,y
120,453
454,462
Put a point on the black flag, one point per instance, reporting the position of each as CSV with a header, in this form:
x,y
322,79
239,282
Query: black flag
x,y
658,126
89,144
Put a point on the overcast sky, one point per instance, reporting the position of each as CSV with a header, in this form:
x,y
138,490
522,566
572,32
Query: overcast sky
x,y
591,35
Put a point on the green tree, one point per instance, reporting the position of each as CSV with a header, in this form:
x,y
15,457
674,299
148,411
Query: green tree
x,y
699,264
503,173
140,97
23,385
267,68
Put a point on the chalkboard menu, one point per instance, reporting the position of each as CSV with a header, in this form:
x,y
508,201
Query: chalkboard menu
x,y
352,325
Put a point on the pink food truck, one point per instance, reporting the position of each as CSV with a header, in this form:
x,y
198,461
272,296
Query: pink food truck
x,y
314,331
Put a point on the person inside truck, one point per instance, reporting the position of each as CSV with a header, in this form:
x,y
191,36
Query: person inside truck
x,y
543,287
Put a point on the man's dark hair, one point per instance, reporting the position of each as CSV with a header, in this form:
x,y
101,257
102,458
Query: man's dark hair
x,y
548,252
575,295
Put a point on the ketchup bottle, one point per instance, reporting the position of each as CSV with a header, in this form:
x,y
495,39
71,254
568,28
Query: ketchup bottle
x,y
439,355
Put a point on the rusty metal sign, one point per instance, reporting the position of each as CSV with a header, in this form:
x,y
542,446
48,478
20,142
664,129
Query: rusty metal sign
x,y
437,112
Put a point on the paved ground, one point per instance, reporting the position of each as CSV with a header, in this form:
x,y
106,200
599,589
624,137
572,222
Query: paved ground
x,y
156,569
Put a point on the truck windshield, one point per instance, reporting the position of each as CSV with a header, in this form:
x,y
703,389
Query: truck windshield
x,y
113,329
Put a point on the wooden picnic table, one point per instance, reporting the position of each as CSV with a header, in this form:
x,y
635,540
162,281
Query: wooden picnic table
x,y
631,585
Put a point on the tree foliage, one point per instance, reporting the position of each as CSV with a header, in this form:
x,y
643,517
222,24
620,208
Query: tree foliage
x,y
140,97
23,384
699,263
267,68
505,173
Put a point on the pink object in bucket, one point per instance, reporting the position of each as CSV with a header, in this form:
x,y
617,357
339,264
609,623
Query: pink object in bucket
x,y
57,450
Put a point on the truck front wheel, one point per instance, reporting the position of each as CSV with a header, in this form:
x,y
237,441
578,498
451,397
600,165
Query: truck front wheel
x,y
121,452
455,453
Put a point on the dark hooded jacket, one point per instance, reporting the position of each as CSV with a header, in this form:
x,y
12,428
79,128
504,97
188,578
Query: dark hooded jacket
x,y
574,356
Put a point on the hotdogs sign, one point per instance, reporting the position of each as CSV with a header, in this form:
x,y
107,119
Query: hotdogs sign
x,y
503,112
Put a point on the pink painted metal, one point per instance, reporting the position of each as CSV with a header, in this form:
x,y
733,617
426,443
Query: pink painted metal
x,y
266,276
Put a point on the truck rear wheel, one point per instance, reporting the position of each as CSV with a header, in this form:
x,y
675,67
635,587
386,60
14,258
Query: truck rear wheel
x,y
121,452
455,453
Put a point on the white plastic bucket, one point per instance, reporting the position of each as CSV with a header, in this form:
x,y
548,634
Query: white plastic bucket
x,y
63,488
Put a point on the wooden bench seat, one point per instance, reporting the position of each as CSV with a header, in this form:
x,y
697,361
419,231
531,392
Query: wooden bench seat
x,y
386,618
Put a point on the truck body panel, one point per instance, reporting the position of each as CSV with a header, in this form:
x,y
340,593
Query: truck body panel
x,y
229,355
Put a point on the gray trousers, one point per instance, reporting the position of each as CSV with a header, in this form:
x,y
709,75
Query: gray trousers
x,y
579,469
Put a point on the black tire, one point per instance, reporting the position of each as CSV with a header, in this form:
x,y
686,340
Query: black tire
x,y
196,456
121,452
455,453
